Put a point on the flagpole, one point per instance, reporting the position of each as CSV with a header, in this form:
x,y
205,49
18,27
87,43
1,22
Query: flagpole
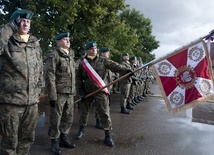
x,y
147,64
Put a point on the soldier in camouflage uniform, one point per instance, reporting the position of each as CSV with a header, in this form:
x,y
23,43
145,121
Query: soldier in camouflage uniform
x,y
60,85
20,84
104,52
125,86
86,85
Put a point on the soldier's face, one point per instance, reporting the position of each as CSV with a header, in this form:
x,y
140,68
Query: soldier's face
x,y
24,26
92,51
105,54
126,58
64,43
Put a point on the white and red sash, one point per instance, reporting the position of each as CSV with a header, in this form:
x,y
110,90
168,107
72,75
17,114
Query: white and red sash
x,y
93,74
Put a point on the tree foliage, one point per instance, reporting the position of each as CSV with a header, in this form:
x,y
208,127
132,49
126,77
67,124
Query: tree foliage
x,y
146,41
86,21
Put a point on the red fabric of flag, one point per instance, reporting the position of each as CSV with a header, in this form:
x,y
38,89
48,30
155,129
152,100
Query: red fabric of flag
x,y
184,77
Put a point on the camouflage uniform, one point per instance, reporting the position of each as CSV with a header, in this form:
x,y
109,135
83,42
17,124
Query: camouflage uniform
x,y
60,85
86,85
20,86
125,86
134,85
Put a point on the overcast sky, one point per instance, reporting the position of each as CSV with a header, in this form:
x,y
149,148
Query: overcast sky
x,y
176,22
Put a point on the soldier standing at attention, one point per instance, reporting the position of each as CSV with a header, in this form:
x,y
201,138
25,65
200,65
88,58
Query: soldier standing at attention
x,y
20,84
91,76
125,86
60,85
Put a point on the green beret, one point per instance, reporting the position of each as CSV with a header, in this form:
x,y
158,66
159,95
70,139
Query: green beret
x,y
125,54
104,49
22,13
90,44
83,53
133,58
62,35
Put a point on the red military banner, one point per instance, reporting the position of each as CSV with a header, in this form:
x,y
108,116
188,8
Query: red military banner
x,y
185,77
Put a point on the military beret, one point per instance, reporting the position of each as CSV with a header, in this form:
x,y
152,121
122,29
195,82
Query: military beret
x,y
62,35
104,49
83,53
125,54
133,58
22,13
90,44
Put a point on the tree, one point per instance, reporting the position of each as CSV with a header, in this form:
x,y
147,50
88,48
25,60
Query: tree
x,y
146,41
86,21
50,19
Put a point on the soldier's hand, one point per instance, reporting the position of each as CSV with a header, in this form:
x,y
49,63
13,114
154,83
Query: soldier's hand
x,y
15,23
130,71
52,103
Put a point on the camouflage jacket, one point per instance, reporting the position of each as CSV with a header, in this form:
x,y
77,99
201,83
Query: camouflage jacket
x,y
127,64
85,84
21,70
60,73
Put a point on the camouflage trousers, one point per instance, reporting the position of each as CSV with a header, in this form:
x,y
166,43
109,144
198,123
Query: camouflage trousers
x,y
61,116
133,92
17,128
125,91
103,109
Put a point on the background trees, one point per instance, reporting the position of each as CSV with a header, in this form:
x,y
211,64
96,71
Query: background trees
x,y
109,23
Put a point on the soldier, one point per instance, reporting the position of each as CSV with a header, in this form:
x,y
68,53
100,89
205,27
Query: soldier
x,y
20,84
104,52
134,97
91,76
83,54
60,85
125,86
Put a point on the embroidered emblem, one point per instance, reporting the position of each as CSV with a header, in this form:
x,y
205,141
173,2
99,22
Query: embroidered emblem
x,y
205,87
196,53
176,99
185,77
164,68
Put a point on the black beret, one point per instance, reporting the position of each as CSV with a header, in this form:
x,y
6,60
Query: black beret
x,y
104,49
22,13
125,54
62,35
133,58
90,44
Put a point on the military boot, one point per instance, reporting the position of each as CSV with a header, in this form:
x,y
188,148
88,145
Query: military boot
x,y
98,124
64,142
124,110
80,133
55,147
108,139
128,106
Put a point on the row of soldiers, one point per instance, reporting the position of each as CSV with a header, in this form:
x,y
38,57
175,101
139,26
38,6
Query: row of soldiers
x,y
21,80
134,88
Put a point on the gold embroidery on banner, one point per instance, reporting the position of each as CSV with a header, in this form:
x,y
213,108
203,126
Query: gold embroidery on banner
x,y
185,77
164,68
176,99
205,87
196,53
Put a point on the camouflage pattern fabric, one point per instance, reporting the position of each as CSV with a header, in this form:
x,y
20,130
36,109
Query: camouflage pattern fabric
x,y
20,85
61,116
22,69
60,85
86,85
60,73
17,137
125,86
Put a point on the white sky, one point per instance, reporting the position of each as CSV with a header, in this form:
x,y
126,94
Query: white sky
x,y
176,22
